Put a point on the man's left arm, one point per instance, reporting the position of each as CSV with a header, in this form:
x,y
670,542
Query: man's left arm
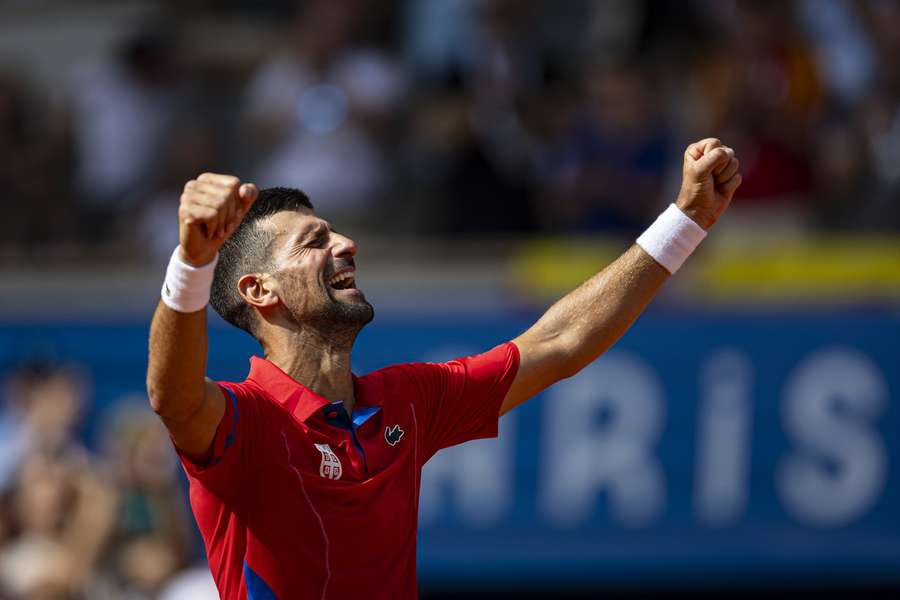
x,y
585,323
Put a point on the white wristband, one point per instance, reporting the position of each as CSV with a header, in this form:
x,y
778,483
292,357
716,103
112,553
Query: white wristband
x,y
186,288
671,238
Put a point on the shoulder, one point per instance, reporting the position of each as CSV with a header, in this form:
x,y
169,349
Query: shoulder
x,y
396,383
504,356
390,376
242,389
248,397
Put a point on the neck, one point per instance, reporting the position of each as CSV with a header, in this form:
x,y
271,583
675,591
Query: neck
x,y
319,361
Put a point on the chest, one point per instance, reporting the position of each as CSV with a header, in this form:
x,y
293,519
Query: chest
x,y
353,481
345,449
345,489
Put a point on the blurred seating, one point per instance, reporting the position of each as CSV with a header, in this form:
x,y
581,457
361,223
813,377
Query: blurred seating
x,y
444,118
74,523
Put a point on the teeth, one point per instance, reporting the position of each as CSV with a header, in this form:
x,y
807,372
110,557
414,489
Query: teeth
x,y
340,278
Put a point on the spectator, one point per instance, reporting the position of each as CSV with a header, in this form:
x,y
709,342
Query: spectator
x,y
192,149
195,583
460,186
62,514
151,539
778,97
608,174
122,113
32,171
313,111
43,405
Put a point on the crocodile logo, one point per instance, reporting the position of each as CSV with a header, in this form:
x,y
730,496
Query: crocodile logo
x,y
394,434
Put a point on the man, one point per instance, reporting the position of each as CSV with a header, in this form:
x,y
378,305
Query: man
x,y
304,479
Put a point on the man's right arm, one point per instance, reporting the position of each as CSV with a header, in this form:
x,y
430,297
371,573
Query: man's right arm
x,y
191,406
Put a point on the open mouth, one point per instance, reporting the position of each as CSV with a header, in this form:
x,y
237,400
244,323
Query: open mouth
x,y
343,281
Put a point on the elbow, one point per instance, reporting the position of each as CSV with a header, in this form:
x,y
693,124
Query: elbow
x,y
171,402
568,367
573,356
163,400
156,395
561,365
567,370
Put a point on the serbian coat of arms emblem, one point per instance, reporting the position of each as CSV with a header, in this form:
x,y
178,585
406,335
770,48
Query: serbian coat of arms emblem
x,y
330,467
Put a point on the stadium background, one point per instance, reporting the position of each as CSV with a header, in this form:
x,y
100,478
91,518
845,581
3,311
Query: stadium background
x,y
487,155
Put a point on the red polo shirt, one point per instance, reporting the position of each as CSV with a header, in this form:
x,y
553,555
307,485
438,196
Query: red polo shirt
x,y
301,500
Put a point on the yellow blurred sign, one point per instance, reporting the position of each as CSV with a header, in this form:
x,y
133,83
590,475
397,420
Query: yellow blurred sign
x,y
819,269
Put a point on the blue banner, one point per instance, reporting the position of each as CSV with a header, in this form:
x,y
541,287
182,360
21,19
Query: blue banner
x,y
723,448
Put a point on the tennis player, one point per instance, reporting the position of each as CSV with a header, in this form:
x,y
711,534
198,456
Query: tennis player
x,y
304,478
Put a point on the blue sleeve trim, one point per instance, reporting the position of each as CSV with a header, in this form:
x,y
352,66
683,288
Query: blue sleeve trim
x,y
229,439
257,588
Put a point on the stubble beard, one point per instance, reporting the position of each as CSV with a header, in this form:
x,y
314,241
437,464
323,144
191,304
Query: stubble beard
x,y
336,320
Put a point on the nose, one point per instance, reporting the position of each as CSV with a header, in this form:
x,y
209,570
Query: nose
x,y
342,246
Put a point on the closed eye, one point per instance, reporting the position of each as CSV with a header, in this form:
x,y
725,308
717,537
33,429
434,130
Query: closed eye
x,y
319,242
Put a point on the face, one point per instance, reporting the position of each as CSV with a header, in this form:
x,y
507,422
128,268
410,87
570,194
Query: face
x,y
315,272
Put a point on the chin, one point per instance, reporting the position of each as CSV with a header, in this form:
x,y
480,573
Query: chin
x,y
357,310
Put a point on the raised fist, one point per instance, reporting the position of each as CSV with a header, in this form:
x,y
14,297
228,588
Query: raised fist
x,y
212,207
709,179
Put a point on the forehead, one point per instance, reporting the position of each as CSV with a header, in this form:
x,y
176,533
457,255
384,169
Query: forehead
x,y
287,225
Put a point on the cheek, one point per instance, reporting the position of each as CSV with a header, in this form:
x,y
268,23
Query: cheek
x,y
301,287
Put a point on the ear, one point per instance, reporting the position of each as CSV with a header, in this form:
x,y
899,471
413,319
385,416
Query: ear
x,y
259,290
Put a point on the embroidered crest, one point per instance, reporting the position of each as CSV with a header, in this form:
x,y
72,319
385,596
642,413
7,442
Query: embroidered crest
x,y
393,434
330,467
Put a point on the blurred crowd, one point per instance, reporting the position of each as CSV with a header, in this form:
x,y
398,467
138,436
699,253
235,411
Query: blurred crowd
x,y
105,524
430,118
465,117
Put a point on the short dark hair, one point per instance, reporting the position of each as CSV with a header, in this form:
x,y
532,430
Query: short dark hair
x,y
249,250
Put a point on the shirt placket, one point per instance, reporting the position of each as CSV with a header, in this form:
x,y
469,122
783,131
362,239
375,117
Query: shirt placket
x,y
336,416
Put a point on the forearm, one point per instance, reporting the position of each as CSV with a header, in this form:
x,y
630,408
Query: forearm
x,y
177,362
191,407
586,322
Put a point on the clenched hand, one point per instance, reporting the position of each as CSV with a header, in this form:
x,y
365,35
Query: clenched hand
x,y
212,207
709,179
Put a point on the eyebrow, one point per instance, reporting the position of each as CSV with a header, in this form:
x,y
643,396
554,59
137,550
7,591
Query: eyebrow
x,y
316,230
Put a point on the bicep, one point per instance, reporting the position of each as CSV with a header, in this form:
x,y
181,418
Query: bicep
x,y
194,433
584,323
541,364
